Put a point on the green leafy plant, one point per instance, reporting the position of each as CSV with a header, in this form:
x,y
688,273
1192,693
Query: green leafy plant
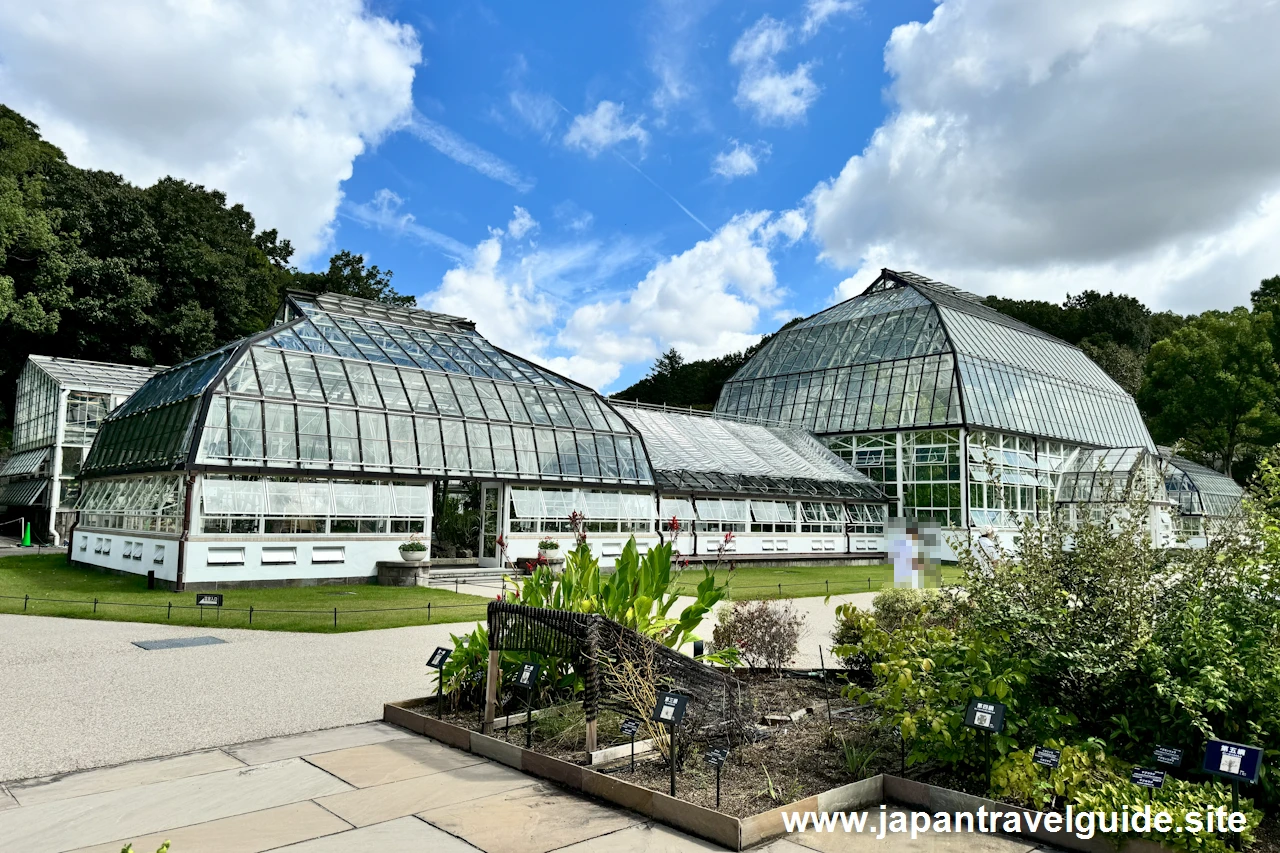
x,y
548,545
858,757
771,791
638,594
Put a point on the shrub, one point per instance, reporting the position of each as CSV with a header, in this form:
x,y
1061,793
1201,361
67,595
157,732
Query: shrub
x,y
926,607
765,633
548,545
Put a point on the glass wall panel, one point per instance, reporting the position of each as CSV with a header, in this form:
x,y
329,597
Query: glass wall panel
x,y
313,434
373,439
362,385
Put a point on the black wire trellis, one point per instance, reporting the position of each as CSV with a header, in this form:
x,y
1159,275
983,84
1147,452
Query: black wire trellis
x,y
720,703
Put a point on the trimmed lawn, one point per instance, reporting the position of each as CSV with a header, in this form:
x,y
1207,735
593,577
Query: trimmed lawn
x,y
752,583
125,598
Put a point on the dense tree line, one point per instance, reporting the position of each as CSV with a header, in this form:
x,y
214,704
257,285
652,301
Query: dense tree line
x,y
94,267
1116,331
672,381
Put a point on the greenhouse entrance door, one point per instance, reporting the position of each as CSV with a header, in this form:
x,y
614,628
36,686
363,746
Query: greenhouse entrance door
x,y
490,523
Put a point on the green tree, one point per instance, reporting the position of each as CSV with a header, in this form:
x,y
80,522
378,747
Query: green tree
x,y
676,382
348,275
1213,384
34,261
94,267
1122,363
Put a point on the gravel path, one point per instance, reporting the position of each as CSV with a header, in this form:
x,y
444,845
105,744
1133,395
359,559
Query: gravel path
x,y
78,694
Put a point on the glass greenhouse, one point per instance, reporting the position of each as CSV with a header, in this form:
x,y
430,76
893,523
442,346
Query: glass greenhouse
x,y
965,416
311,451
59,406
1198,493
774,488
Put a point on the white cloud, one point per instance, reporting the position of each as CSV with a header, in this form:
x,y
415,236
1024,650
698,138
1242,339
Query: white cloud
x,y
818,12
515,294
538,110
705,301
573,217
508,310
790,224
673,49
761,42
521,223
775,96
778,98
604,127
383,212
467,153
740,160
270,102
1114,145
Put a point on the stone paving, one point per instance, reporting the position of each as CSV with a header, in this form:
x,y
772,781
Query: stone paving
x,y
125,703
370,788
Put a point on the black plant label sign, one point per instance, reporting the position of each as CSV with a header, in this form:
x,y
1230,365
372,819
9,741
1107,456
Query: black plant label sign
x,y
630,727
438,657
1147,778
670,708
985,715
717,757
528,676
1046,756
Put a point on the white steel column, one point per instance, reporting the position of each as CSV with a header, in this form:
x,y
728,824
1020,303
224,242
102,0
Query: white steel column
x,y
964,478
55,462
899,471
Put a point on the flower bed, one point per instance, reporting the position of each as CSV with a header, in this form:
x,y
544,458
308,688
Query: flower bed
x,y
733,831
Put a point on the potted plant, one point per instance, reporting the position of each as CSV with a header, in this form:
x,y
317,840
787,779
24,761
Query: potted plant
x,y
547,549
413,551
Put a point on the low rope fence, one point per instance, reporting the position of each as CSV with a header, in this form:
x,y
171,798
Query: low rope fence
x,y
843,587
252,611
334,614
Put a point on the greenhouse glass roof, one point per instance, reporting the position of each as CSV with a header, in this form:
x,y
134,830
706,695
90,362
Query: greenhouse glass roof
x,y
1199,490
345,384
94,375
912,353
1111,475
700,453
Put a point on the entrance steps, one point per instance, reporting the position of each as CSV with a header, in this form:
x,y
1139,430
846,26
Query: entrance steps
x,y
455,575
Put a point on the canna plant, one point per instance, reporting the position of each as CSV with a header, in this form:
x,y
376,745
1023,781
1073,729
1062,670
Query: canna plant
x,y
638,594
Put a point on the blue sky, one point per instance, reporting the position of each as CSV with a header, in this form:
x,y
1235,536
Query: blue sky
x,y
594,183
509,80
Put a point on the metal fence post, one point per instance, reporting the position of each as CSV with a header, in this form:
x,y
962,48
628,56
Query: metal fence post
x,y
428,611
250,614
169,615
335,617
95,605
25,599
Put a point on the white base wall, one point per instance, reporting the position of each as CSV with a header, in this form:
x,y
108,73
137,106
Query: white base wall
x,y
266,558
116,550
789,543
606,546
